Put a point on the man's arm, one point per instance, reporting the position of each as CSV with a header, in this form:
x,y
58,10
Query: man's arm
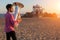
x,y
14,22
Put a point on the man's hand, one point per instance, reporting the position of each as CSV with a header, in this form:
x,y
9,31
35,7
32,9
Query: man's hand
x,y
19,20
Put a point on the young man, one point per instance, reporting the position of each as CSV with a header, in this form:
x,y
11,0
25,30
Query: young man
x,y
10,22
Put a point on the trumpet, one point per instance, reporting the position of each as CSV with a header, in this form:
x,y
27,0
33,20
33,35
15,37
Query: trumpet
x,y
18,6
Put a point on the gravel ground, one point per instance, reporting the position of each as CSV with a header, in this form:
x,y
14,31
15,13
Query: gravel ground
x,y
35,29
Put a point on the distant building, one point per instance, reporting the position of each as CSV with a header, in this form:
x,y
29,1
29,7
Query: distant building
x,y
37,10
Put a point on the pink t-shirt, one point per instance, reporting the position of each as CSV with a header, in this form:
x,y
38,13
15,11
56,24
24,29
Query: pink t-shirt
x,y
9,22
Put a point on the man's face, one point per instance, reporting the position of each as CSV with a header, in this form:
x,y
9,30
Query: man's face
x,y
11,9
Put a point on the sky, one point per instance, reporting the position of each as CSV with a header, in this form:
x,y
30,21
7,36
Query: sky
x,y
51,6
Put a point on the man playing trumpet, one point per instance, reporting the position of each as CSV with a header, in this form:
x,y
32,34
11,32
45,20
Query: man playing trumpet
x,y
10,22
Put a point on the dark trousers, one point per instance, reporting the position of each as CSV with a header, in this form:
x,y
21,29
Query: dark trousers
x,y
12,35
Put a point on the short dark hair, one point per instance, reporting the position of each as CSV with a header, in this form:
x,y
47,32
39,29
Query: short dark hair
x,y
8,6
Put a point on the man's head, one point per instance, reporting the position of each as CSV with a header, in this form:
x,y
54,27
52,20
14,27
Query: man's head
x,y
9,7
